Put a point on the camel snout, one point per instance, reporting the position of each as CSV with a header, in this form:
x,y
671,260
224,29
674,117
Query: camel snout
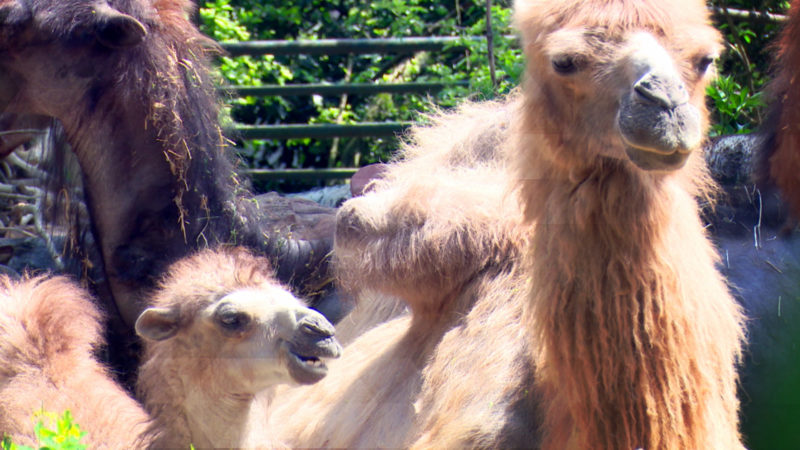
x,y
664,91
315,337
657,124
312,343
349,223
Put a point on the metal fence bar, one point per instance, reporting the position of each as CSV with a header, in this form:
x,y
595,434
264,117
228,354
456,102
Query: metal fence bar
x,y
361,46
299,174
340,88
345,46
320,131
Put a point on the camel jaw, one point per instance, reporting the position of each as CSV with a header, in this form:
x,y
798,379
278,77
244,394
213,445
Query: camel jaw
x,y
306,364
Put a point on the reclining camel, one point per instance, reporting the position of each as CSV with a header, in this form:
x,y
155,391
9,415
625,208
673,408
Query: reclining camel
x,y
219,331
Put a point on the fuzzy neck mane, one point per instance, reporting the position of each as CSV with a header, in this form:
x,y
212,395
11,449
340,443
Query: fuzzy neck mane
x,y
170,75
624,307
190,400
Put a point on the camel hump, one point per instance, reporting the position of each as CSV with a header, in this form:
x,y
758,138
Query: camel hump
x,y
52,314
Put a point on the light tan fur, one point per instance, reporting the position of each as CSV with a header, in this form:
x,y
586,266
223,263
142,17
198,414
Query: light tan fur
x,y
600,324
434,232
48,332
199,379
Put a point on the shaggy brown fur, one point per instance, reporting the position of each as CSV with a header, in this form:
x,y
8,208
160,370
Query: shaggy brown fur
x,y
220,329
780,154
615,330
48,333
637,337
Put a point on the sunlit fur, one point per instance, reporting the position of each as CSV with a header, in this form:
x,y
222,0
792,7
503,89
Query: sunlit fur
x,y
780,154
49,331
435,232
636,335
602,323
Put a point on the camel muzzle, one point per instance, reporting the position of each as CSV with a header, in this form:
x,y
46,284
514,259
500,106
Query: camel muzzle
x,y
658,125
312,343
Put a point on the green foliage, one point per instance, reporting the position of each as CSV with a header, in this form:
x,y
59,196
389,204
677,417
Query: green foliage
x,y
52,433
464,65
736,108
736,103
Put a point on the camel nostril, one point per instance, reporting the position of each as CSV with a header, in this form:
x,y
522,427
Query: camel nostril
x,y
316,326
646,91
349,223
664,92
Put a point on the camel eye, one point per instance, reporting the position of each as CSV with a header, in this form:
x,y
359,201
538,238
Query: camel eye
x,y
705,62
565,64
230,319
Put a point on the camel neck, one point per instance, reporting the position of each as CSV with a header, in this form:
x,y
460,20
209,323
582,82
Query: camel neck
x,y
147,206
619,263
192,402
217,419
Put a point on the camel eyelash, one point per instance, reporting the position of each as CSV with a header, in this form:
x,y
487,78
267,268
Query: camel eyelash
x,y
567,64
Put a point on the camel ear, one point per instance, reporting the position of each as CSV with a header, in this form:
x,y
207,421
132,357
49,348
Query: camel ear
x,y
116,30
157,324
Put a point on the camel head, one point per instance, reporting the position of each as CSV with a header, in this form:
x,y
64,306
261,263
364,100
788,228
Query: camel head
x,y
238,323
77,22
54,55
618,79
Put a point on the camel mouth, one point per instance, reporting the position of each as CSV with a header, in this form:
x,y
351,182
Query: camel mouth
x,y
652,160
656,137
308,365
306,369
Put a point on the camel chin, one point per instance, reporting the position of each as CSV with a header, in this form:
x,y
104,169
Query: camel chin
x,y
657,137
648,159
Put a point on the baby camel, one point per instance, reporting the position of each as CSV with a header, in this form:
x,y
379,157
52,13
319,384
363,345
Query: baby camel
x,y
48,331
220,329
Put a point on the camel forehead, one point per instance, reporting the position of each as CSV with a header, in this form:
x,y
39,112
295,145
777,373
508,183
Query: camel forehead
x,y
589,40
261,302
614,18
